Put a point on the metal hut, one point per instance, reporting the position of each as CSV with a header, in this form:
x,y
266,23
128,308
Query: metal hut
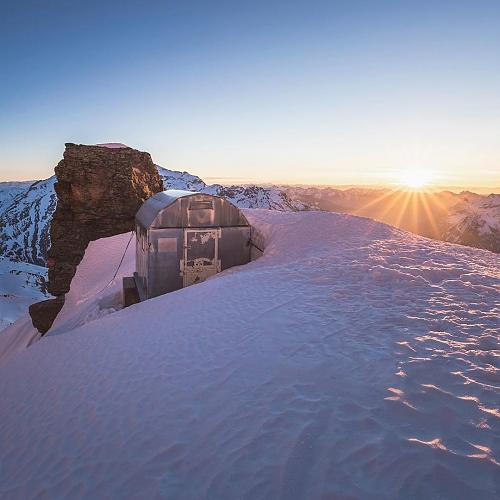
x,y
185,237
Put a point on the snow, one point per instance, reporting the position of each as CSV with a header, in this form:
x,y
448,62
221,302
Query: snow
x,y
95,290
481,212
112,145
174,179
25,223
352,360
10,189
17,337
21,284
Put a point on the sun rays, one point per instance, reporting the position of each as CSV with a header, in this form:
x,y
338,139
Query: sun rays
x,y
415,210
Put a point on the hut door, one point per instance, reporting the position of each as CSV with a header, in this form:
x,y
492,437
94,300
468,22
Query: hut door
x,y
201,255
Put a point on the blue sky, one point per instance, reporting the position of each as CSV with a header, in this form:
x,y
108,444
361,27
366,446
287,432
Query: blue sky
x,y
308,92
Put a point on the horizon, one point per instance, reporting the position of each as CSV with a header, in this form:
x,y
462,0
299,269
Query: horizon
x,y
239,181
322,94
482,190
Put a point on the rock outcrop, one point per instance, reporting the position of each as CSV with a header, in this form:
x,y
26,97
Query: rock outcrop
x,y
99,190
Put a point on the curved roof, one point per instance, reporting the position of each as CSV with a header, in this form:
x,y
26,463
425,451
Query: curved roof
x,y
178,208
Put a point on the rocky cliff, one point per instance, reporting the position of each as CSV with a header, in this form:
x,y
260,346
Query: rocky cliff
x,y
99,190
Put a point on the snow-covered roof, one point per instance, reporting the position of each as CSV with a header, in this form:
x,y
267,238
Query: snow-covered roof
x,y
171,195
112,145
154,205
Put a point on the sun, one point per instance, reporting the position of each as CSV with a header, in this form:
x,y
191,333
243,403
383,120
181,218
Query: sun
x,y
414,179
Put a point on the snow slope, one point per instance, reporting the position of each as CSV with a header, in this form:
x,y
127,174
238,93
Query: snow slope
x,y
352,360
17,337
21,284
96,287
95,292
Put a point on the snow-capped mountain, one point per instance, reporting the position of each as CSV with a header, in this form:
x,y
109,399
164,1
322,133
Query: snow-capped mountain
x,y
252,196
475,221
248,196
173,179
25,223
340,364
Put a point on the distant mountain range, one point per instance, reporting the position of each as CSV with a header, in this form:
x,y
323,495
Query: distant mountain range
x,y
467,218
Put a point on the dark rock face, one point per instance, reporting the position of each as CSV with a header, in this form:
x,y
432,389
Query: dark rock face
x,y
99,191
44,313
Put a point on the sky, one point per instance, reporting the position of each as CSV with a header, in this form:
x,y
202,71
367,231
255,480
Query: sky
x,y
309,92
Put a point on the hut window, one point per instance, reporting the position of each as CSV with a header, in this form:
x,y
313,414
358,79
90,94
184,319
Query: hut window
x,y
201,205
167,245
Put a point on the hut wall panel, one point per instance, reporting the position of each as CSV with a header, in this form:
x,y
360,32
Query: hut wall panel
x,y
142,255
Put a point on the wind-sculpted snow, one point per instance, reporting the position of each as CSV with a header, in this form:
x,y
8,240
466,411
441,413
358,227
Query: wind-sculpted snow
x,y
352,360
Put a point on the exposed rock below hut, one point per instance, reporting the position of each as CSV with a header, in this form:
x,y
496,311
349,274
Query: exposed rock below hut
x,y
44,313
99,191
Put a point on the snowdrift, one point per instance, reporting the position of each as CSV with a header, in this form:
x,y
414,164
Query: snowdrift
x,y
95,292
352,360
96,287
